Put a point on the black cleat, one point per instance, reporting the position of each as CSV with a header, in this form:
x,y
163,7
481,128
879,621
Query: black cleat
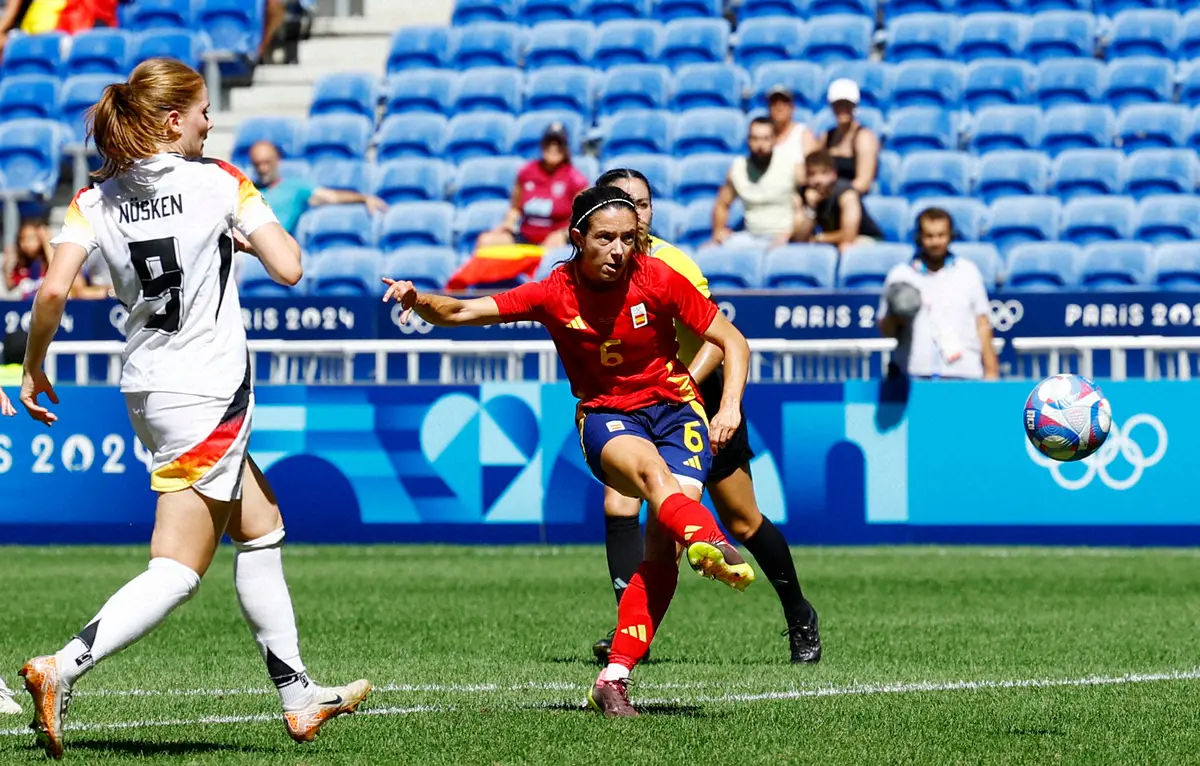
x,y
603,647
805,640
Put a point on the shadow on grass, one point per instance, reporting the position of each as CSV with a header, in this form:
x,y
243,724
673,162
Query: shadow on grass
x,y
1035,732
142,748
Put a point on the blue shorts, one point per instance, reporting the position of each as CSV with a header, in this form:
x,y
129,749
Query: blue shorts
x,y
679,431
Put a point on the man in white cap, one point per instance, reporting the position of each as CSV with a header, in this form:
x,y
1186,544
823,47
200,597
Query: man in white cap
x,y
854,147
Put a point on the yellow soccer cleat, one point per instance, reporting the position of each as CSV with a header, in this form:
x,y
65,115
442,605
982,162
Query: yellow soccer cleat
x,y
328,703
50,700
720,561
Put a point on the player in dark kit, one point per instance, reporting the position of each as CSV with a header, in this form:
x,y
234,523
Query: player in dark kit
x,y
611,311
729,481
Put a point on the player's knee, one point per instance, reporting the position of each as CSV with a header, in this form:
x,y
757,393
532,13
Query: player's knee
x,y
743,527
655,480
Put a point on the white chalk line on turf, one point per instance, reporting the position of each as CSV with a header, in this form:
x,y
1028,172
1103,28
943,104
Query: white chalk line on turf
x,y
788,694
433,688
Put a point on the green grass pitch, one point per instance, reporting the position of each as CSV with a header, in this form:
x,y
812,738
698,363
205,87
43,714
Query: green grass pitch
x,y
482,655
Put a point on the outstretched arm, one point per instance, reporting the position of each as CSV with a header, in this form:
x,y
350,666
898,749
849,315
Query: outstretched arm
x,y
441,310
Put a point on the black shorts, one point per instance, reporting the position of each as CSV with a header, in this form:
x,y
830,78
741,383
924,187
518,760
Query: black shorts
x,y
737,452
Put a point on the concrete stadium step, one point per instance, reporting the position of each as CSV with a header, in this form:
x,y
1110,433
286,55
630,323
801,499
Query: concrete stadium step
x,y
346,52
398,13
271,99
306,74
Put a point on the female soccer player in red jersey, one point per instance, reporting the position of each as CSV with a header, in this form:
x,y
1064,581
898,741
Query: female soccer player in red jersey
x,y
610,311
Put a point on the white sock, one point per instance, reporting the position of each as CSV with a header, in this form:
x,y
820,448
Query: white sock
x,y
267,606
614,672
130,613
3,688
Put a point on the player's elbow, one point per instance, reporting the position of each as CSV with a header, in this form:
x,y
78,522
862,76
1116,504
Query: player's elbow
x,y
292,274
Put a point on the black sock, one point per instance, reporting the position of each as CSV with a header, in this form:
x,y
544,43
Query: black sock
x,y
774,558
625,548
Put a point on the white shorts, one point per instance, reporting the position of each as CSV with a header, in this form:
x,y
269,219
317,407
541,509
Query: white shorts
x,y
199,442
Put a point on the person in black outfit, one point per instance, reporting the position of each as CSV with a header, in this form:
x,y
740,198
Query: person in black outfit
x,y
854,147
831,209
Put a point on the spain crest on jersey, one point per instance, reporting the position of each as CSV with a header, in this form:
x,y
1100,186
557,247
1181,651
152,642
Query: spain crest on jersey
x,y
638,313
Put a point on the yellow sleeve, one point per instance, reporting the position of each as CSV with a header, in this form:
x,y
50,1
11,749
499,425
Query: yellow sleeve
x,y
680,262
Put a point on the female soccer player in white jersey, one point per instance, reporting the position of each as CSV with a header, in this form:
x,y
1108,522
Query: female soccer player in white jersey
x,y
165,220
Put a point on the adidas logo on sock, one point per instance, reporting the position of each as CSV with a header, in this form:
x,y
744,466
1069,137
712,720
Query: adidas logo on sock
x,y
688,531
636,631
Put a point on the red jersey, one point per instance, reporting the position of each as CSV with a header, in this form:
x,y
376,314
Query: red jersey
x,y
617,345
546,198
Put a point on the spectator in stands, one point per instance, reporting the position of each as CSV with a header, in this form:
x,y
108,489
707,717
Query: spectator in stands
x,y
289,198
541,198
26,263
12,358
793,138
12,17
765,182
854,148
831,209
273,18
937,307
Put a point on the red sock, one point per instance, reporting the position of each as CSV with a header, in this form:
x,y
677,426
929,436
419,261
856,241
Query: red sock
x,y
687,520
641,611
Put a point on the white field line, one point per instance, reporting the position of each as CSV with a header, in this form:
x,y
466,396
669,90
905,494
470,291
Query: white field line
x,y
414,688
789,694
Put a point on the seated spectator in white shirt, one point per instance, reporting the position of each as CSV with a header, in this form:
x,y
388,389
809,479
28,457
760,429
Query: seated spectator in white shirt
x,y
765,182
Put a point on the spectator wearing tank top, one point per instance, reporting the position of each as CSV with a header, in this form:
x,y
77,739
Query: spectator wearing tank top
x,y
791,137
853,146
765,182
831,208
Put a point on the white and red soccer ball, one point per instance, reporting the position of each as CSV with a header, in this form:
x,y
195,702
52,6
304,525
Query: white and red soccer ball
x,y
1067,417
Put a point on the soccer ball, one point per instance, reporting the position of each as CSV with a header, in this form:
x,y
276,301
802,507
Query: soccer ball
x,y
1067,417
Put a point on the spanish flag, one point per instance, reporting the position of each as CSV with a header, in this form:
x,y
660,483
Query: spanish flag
x,y
497,266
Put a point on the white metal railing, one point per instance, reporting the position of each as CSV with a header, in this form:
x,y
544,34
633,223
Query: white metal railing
x,y
1163,357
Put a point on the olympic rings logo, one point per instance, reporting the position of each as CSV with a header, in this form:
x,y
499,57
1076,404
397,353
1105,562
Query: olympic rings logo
x,y
415,325
1120,442
1006,314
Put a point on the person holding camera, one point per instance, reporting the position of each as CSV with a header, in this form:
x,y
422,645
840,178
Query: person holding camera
x,y
936,307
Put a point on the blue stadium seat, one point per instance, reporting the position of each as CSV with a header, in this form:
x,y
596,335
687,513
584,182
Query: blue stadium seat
x,y
801,267
345,93
79,93
806,81
587,165
486,134
1084,126
298,169
343,175
180,44
255,282
970,215
731,268
1061,34
1017,220
551,260
761,40
34,54
757,9
1115,265
472,11
1161,171
668,10
887,175
668,217
1177,267
476,219
159,14
838,37
411,180
659,170
935,174
347,271
1010,173
532,12
986,258
1079,172
29,156
893,9
428,268
993,82
992,35
422,90
1189,36
486,44
486,178
922,36
699,85
1146,126
891,213
694,41
418,47
1096,219
696,226
286,133
490,89
628,42
701,177
418,224
327,226
411,135
1070,81
635,86
99,51
560,43
864,267
337,136
709,130
29,95
918,128
603,11
232,25
568,88
1164,218
928,83
997,128
1139,81
1144,33
638,131
531,126
1113,8
1043,266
